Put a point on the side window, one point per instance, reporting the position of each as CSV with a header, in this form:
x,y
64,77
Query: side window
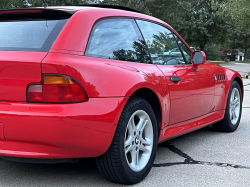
x,y
186,51
118,39
161,43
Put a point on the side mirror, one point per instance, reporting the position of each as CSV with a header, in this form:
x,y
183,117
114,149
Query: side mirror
x,y
198,57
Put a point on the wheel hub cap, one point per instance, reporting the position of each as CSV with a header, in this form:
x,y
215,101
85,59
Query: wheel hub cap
x,y
137,140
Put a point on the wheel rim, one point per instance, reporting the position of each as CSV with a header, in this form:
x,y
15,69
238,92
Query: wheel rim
x,y
138,142
234,106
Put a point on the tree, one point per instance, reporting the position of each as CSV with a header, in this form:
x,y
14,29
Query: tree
x,y
5,4
140,5
240,40
202,25
239,12
197,21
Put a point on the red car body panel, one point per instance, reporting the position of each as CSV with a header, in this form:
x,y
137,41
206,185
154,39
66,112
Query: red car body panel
x,y
87,129
195,89
92,73
59,131
17,70
190,125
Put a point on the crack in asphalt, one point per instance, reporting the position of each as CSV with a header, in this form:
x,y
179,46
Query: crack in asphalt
x,y
189,160
247,84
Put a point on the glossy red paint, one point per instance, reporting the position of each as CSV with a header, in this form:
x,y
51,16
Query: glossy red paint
x,y
92,73
87,129
2,138
17,70
196,90
60,131
190,125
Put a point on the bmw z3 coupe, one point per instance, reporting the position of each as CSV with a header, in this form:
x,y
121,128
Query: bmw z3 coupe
x,y
103,81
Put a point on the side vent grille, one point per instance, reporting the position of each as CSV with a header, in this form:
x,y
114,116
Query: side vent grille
x,y
221,77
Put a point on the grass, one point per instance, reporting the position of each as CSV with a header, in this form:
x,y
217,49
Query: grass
x,y
218,62
249,73
242,61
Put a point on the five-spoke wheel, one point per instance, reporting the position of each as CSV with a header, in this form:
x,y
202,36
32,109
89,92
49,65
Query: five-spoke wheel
x,y
232,116
235,106
138,140
132,152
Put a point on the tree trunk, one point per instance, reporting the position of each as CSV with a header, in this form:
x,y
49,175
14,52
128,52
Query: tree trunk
x,y
245,54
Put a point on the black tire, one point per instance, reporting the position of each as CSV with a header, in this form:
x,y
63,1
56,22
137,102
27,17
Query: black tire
x,y
114,164
226,125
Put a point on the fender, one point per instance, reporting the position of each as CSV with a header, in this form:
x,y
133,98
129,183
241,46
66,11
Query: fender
x,y
223,79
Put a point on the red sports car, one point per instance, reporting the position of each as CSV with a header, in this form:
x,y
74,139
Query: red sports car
x,y
102,81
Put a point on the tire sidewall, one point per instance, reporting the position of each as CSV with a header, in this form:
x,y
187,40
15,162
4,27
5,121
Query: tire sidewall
x,y
139,104
234,85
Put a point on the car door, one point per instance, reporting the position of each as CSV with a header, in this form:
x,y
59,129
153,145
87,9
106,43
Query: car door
x,y
191,91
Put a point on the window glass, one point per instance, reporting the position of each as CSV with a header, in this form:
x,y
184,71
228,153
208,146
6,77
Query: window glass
x,y
185,49
117,39
161,43
29,35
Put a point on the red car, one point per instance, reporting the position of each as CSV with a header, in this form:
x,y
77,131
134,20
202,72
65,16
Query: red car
x,y
80,82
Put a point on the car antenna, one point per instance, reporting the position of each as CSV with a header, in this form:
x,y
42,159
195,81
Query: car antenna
x,y
44,4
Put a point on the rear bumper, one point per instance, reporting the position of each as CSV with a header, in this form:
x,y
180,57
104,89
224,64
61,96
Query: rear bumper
x,y
59,131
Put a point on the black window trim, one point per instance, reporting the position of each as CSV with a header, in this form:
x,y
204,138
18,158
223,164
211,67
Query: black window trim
x,y
180,47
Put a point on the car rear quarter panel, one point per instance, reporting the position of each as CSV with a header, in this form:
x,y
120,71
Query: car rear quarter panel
x,y
104,78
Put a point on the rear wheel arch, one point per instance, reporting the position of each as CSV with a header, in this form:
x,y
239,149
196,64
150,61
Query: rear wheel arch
x,y
151,97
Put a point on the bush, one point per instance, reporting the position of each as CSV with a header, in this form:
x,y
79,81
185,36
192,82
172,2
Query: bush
x,y
213,53
227,50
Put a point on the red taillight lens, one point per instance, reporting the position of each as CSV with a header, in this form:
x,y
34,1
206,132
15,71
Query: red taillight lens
x,y
56,89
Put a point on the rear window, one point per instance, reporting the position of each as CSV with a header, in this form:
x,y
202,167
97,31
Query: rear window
x,y
25,35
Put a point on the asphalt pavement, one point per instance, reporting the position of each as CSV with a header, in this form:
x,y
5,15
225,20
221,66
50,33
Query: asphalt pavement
x,y
242,68
201,158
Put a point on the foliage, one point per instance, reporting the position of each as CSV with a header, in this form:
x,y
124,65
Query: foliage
x,y
239,11
140,5
139,53
240,39
203,25
195,20
5,4
213,53
161,43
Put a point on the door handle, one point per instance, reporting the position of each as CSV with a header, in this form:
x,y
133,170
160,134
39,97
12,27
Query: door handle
x,y
175,79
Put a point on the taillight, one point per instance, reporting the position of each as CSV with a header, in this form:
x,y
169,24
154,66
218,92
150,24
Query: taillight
x,y
56,89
